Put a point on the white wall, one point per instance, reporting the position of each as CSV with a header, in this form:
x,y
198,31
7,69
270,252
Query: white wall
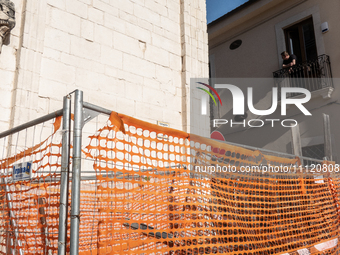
x,y
131,56
259,56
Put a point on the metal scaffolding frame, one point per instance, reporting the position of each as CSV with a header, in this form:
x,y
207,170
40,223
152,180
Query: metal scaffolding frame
x,y
78,124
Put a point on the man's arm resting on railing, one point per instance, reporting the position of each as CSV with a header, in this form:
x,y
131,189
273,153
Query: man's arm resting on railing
x,y
290,64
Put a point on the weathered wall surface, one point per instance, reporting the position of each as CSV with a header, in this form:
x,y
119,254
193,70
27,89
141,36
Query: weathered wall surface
x,y
132,56
8,65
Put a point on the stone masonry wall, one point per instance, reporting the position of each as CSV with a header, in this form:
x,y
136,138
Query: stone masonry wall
x,y
131,56
8,67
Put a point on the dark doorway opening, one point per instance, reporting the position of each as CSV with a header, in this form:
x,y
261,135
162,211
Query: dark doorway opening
x,y
300,40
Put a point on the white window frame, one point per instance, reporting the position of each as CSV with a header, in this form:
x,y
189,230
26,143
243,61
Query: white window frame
x,y
280,36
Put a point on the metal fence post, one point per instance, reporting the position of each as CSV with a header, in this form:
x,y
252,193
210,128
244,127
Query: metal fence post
x,y
64,183
76,167
12,216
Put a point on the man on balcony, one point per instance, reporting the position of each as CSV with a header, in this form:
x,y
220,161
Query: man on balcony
x,y
288,60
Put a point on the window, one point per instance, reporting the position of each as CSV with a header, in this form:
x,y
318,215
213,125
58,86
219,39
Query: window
x,y
300,40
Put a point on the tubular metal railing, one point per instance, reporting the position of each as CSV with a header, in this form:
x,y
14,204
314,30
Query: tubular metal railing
x,y
312,75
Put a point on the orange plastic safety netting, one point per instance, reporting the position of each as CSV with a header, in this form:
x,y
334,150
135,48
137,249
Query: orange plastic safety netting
x,y
29,209
161,191
154,195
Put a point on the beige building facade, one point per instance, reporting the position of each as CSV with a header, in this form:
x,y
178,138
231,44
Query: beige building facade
x,y
135,57
245,47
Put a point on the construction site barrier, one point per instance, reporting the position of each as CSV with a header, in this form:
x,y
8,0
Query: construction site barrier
x,y
156,190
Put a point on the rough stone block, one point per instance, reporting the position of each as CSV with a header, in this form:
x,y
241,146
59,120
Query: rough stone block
x,y
61,4
166,44
43,105
157,7
103,35
87,30
98,67
143,12
174,16
139,2
8,58
175,62
108,84
148,112
127,44
128,18
85,49
111,57
51,53
151,83
6,98
65,21
138,32
129,77
57,71
157,55
75,61
53,89
164,74
173,117
174,5
114,23
111,71
106,7
125,5
153,96
173,102
4,125
77,7
138,66
105,99
96,16
57,39
126,106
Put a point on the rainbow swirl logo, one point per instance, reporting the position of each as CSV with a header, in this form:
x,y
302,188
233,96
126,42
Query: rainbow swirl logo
x,y
209,93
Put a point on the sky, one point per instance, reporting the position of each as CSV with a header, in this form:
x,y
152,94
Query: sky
x,y
217,8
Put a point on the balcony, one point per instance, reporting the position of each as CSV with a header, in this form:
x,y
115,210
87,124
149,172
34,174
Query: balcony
x,y
314,75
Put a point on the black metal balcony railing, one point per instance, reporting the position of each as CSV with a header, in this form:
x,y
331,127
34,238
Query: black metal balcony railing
x,y
312,75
